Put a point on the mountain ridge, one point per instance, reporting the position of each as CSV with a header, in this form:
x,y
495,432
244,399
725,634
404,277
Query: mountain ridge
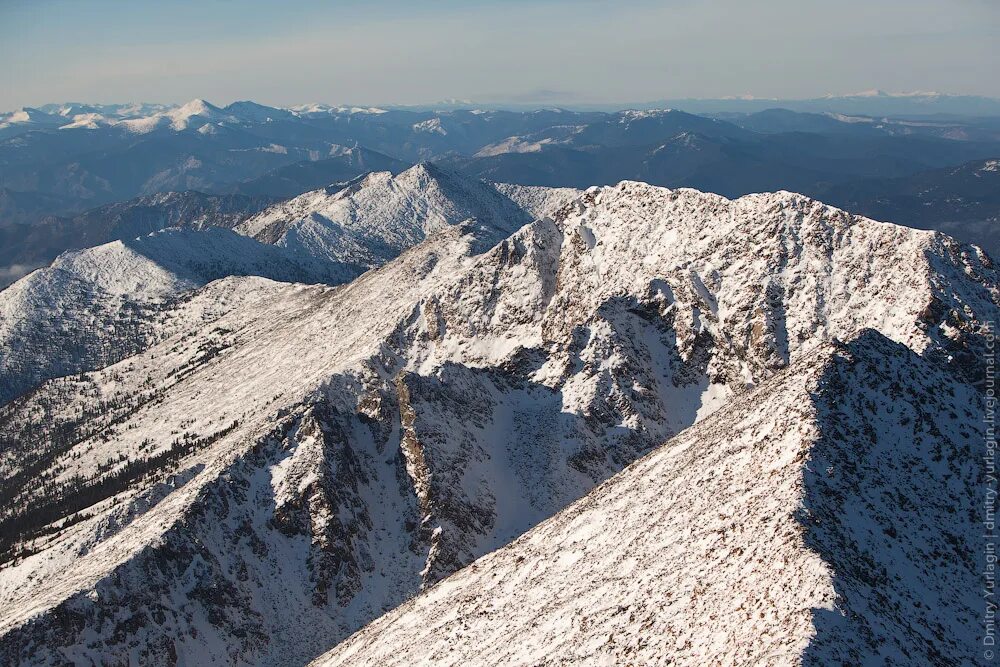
x,y
368,440
39,243
772,531
127,288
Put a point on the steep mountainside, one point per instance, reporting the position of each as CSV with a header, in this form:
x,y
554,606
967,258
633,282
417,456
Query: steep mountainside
x,y
808,522
97,306
329,452
378,216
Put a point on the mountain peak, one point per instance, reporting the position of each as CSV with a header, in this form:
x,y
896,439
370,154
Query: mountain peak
x,y
197,106
376,217
184,116
426,171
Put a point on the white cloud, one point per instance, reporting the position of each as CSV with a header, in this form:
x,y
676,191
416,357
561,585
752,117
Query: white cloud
x,y
9,274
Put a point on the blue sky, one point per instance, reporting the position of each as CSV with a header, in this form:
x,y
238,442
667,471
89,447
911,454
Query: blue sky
x,y
542,51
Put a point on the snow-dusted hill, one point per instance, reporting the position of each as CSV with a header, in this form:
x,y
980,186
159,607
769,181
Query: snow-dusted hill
x,y
24,247
379,215
255,489
96,306
807,522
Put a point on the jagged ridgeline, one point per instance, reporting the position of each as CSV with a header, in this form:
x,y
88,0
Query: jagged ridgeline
x,y
97,306
285,463
806,522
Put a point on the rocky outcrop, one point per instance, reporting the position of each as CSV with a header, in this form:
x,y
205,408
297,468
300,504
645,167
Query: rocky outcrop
x,y
345,448
805,523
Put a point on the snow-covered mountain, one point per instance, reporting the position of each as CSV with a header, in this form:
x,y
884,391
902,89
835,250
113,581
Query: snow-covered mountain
x,y
99,305
379,215
256,488
136,118
37,244
196,114
96,306
807,522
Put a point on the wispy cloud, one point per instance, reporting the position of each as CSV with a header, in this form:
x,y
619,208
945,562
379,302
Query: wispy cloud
x,y
536,96
9,274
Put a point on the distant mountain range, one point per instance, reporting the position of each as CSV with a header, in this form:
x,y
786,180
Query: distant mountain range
x,y
866,103
962,201
61,166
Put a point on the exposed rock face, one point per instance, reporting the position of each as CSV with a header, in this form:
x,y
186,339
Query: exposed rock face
x,y
329,452
807,522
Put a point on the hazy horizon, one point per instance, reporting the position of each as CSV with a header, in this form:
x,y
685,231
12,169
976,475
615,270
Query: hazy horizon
x,y
552,52
507,103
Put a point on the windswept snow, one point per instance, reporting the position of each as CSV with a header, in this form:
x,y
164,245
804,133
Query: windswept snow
x,y
375,218
805,523
330,452
96,306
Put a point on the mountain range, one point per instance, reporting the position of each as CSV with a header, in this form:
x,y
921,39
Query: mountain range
x,y
62,165
95,306
243,446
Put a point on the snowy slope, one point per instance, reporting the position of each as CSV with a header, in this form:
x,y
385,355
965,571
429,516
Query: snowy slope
x,y
379,215
537,201
39,243
806,523
97,306
329,452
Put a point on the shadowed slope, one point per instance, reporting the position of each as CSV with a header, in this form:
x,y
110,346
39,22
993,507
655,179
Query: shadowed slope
x,y
805,523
